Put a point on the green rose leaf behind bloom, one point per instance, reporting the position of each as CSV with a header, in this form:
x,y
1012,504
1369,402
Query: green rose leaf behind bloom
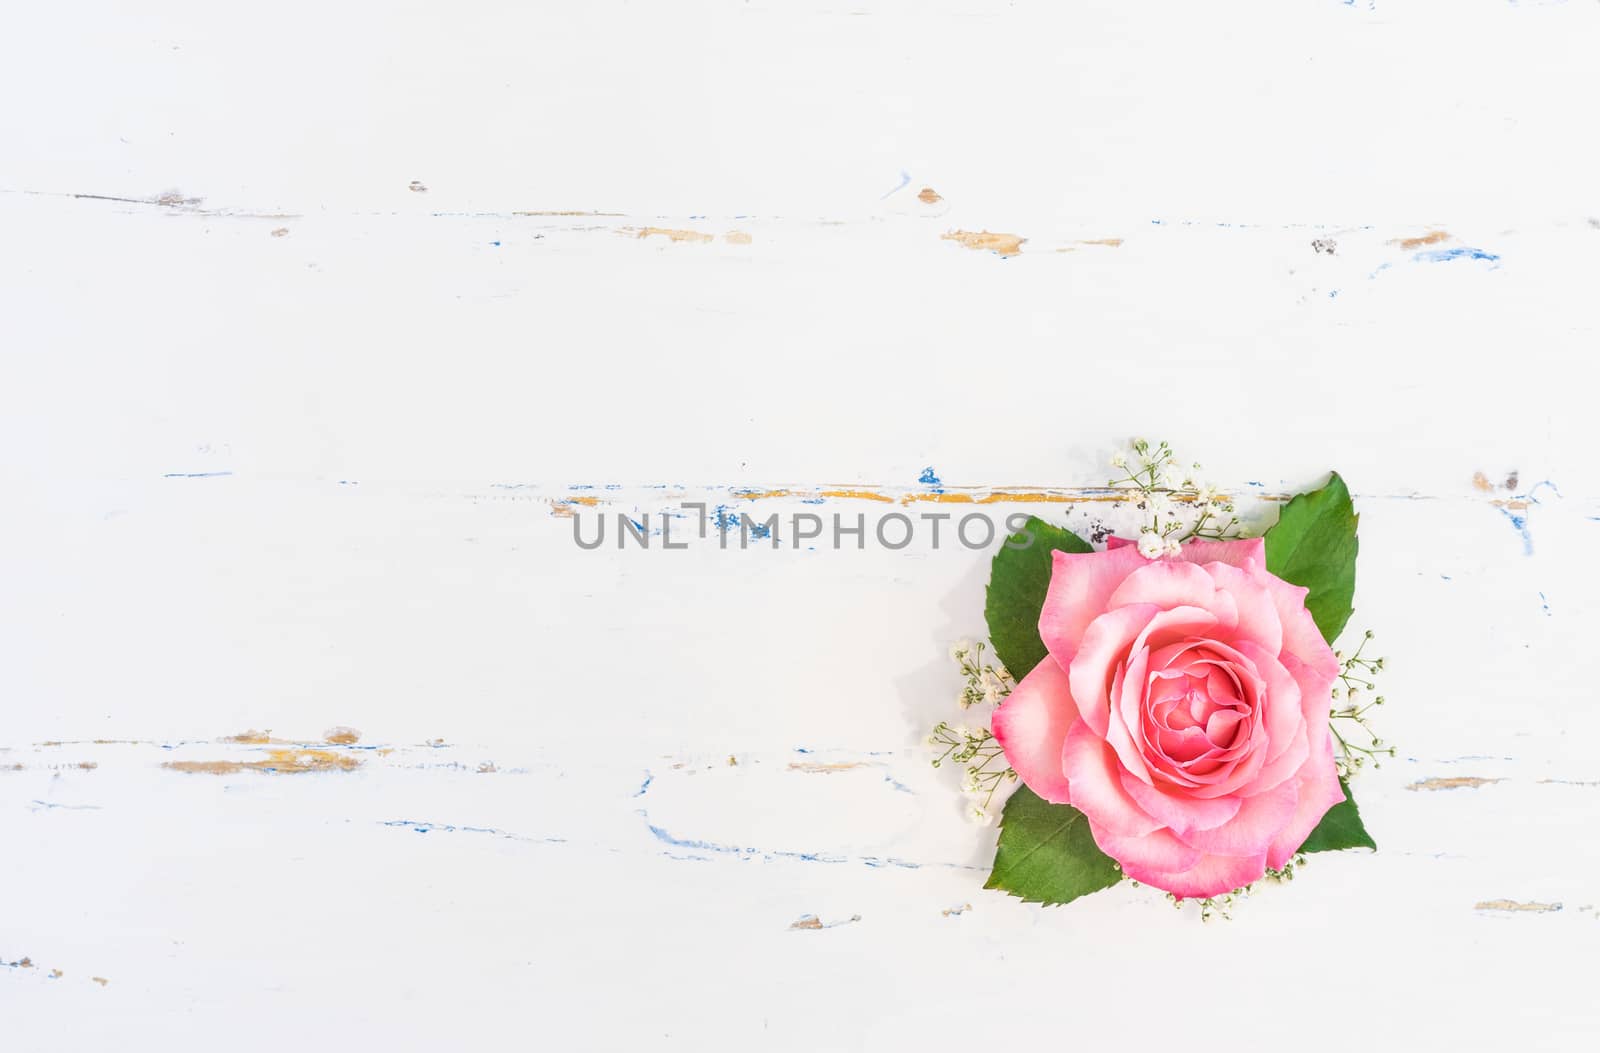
x,y
1047,854
1340,828
1018,581
1313,544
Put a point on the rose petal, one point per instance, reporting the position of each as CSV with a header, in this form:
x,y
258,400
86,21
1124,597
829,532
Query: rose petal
x,y
1251,831
1280,698
1237,553
1179,810
1257,618
1154,852
1031,726
1095,778
1080,585
1212,876
1301,637
1318,791
1285,766
1103,647
1166,585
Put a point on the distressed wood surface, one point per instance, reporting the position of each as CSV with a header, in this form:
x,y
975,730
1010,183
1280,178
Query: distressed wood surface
x,y
325,328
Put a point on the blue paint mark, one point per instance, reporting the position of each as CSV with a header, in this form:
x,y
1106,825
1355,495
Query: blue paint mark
x,y
1544,603
72,807
1447,577
349,482
195,475
496,244
1333,295
1520,524
897,784
905,177
928,478
648,779
680,842
1519,520
1445,255
445,828
802,749
744,855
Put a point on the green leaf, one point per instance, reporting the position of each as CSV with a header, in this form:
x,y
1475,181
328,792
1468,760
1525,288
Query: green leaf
x,y
1018,581
1047,854
1313,544
1340,828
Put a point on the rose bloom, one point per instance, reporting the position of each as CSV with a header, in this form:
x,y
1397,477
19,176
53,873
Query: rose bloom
x,y
1183,709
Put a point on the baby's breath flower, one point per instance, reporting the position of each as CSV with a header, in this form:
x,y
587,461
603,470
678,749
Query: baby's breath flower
x,y
1357,745
1174,498
1151,545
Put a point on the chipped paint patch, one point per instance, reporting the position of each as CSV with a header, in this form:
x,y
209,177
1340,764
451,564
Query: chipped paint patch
x,y
929,196
280,232
276,762
826,768
341,736
694,236
101,980
250,738
1433,237
1110,243
1003,244
951,912
1463,782
416,187
809,922
736,237
1516,906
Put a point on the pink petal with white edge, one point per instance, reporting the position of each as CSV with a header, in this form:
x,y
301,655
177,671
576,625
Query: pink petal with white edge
x,y
1314,693
1237,553
1280,698
1094,776
1080,585
1251,832
1183,813
1258,618
1157,851
1175,584
1104,645
1031,726
1286,766
1212,876
1301,637
1318,791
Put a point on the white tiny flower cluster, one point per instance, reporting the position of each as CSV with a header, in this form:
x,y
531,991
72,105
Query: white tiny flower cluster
x,y
1179,505
982,681
974,747
1351,704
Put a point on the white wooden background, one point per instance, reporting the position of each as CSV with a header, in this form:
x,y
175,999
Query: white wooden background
x,y
317,318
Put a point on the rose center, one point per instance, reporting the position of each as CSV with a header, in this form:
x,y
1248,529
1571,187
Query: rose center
x,y
1195,712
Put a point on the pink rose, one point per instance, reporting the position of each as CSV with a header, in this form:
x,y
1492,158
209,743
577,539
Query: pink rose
x,y
1183,709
